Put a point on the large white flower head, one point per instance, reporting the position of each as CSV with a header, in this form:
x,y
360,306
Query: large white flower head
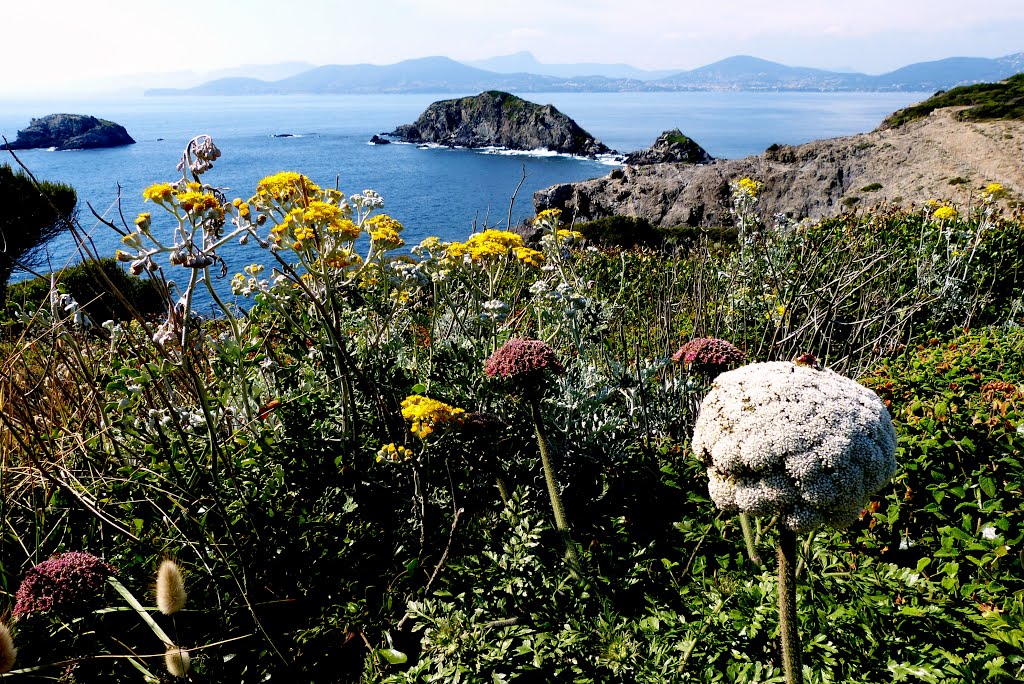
x,y
808,444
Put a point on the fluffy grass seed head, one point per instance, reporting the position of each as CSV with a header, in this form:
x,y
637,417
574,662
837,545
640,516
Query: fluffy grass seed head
x,y
7,650
788,439
178,661
170,588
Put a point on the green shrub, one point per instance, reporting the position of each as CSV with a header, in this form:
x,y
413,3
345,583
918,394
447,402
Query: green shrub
x,y
31,217
102,288
621,231
982,101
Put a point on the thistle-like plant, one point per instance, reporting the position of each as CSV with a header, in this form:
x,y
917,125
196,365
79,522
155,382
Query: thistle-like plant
x,y
807,445
527,366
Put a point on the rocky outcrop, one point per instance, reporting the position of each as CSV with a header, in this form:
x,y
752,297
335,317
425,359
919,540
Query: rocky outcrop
x,y
497,119
937,157
671,147
70,132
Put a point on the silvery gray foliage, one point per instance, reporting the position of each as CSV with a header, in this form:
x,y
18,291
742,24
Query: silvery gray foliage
x,y
810,445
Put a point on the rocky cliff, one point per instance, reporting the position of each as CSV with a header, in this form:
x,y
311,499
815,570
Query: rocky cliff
x,y
497,119
937,157
70,132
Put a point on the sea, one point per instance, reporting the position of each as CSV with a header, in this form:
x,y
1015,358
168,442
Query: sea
x,y
431,191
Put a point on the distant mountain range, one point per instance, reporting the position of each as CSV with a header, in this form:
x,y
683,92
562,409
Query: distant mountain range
x,y
521,72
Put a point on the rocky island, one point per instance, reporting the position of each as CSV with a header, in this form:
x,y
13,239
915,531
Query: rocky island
x,y
497,119
70,132
941,152
670,147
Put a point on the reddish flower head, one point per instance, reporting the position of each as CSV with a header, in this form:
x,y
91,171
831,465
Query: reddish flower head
x,y
709,353
65,580
525,363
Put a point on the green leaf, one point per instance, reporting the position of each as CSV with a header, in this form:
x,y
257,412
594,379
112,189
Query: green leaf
x,y
392,655
988,485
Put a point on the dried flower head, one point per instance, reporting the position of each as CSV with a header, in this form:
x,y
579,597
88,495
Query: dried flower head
x,y
64,581
479,424
524,363
709,353
170,588
7,650
178,661
807,444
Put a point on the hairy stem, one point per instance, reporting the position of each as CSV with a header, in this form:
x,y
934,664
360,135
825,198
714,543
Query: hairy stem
x,y
788,626
561,523
748,539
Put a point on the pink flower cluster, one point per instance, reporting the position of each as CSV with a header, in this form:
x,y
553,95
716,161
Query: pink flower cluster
x,y
523,362
709,352
65,580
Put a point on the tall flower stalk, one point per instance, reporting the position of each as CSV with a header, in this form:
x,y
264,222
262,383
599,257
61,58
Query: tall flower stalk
x,y
527,365
804,444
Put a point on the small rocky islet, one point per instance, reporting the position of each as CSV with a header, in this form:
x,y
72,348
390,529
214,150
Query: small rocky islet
x,y
498,119
70,132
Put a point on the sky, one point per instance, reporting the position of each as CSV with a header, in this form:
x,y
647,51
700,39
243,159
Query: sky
x,y
74,45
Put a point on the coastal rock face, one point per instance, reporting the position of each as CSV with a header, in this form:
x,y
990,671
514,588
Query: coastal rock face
x,y
936,157
70,132
497,119
670,147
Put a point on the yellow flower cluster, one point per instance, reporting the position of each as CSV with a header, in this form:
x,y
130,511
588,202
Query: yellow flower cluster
x,y
426,414
749,186
195,201
493,244
530,257
551,215
158,192
342,259
394,453
569,235
944,213
143,220
241,207
384,231
995,189
286,185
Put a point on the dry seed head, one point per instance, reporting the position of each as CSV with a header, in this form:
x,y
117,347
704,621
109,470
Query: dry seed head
x,y
178,661
170,588
7,650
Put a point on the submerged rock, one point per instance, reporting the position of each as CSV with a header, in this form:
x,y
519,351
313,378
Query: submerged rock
x,y
497,119
70,132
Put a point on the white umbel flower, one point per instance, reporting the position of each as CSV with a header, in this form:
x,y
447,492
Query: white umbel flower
x,y
810,445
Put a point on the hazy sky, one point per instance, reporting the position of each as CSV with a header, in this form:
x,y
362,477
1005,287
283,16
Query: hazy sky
x,y
49,45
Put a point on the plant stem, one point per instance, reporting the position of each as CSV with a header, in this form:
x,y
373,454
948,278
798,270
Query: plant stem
x,y
134,603
788,626
748,539
561,524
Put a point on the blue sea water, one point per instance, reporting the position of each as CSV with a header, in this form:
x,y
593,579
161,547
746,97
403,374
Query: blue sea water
x,y
440,192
